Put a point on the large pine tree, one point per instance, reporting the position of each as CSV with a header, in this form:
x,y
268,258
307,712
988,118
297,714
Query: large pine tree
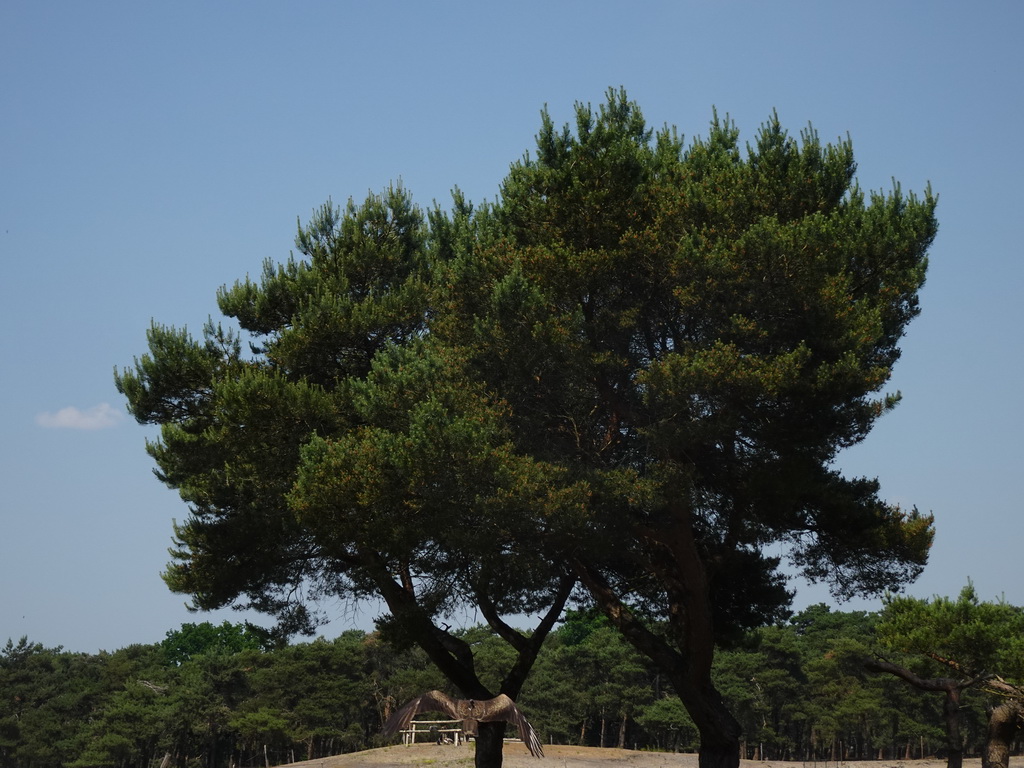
x,y
634,369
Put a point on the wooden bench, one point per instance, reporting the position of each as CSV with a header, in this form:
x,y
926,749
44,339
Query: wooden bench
x,y
453,727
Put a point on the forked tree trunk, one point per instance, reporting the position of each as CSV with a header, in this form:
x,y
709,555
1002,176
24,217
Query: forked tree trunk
x,y
454,657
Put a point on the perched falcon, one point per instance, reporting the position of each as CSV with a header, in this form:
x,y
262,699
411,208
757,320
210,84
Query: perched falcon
x,y
471,712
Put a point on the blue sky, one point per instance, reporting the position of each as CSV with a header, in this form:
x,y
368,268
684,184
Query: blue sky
x,y
152,152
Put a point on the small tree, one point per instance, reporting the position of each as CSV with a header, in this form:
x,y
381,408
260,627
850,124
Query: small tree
x,y
967,639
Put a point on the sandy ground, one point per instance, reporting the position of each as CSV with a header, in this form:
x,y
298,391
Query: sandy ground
x,y
555,756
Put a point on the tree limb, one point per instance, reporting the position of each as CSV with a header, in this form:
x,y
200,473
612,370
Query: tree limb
x,y
925,684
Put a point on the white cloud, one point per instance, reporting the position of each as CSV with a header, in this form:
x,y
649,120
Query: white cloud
x,y
99,416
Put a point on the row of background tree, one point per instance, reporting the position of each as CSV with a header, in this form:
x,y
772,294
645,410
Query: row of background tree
x,y
225,695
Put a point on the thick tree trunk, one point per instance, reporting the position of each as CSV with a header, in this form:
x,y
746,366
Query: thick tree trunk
x,y
1003,724
718,755
719,732
688,668
490,740
677,562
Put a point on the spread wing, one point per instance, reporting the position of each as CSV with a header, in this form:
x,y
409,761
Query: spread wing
x,y
503,708
431,701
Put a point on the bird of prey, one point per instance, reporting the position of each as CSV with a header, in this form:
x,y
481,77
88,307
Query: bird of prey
x,y
470,712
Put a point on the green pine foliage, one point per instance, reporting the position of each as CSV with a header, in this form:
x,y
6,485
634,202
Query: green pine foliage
x,y
631,372
977,636
799,689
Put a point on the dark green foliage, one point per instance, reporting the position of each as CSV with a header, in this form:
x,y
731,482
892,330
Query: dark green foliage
x,y
346,455
766,685
596,684
705,324
214,708
668,725
634,369
577,626
799,689
686,336
49,694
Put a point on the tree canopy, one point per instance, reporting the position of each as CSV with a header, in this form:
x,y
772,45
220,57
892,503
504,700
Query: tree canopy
x,y
634,369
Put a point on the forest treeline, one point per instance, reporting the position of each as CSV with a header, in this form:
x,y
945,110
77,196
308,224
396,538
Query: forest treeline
x,y
226,695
